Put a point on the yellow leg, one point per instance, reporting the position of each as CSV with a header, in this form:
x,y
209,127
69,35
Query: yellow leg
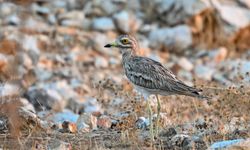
x,y
150,121
158,114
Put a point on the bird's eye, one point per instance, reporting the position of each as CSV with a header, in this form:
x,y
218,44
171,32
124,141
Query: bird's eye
x,y
125,41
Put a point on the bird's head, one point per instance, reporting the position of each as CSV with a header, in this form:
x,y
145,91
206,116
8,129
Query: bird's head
x,y
126,43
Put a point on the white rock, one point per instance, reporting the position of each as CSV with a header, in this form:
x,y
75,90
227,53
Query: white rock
x,y
91,105
42,74
234,15
101,62
13,19
186,76
7,8
72,18
122,21
27,105
177,38
26,61
174,12
86,122
142,123
40,9
224,144
64,89
45,99
30,44
65,115
204,72
7,89
108,6
103,24
185,64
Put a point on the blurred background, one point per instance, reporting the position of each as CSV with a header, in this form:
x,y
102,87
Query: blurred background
x,y
55,70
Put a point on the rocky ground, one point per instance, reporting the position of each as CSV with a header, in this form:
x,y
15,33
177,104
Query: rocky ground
x,y
61,89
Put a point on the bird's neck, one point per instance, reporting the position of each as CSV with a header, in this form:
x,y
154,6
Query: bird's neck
x,y
127,53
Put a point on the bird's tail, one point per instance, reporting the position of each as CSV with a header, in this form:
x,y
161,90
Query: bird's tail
x,y
198,93
191,91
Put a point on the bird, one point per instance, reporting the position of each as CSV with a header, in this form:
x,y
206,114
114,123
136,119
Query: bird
x,y
149,77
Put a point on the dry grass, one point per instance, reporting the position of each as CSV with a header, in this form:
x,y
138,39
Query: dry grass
x,y
226,116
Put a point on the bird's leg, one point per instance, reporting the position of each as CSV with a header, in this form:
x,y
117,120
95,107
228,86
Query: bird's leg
x,y
158,113
150,121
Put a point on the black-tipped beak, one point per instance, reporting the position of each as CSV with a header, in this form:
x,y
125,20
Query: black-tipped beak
x,y
108,45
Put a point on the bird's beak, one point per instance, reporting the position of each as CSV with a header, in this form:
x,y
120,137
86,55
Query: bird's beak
x,y
113,44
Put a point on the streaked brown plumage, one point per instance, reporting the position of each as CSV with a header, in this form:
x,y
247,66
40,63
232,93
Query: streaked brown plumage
x,y
149,76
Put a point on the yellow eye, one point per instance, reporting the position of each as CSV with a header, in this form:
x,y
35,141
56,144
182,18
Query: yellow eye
x,y
125,41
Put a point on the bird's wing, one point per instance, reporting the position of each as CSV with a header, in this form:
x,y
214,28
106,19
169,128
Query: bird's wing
x,y
151,74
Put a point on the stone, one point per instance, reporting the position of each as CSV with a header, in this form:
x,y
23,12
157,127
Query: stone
x,y
72,18
33,23
185,64
3,124
76,105
173,12
40,9
186,76
108,6
142,123
224,144
27,105
121,20
7,89
101,62
86,122
26,61
43,99
204,72
91,105
60,117
219,54
42,74
13,20
236,16
126,22
104,122
7,9
32,119
103,24
177,38
30,44
63,88
114,61
52,19
87,105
